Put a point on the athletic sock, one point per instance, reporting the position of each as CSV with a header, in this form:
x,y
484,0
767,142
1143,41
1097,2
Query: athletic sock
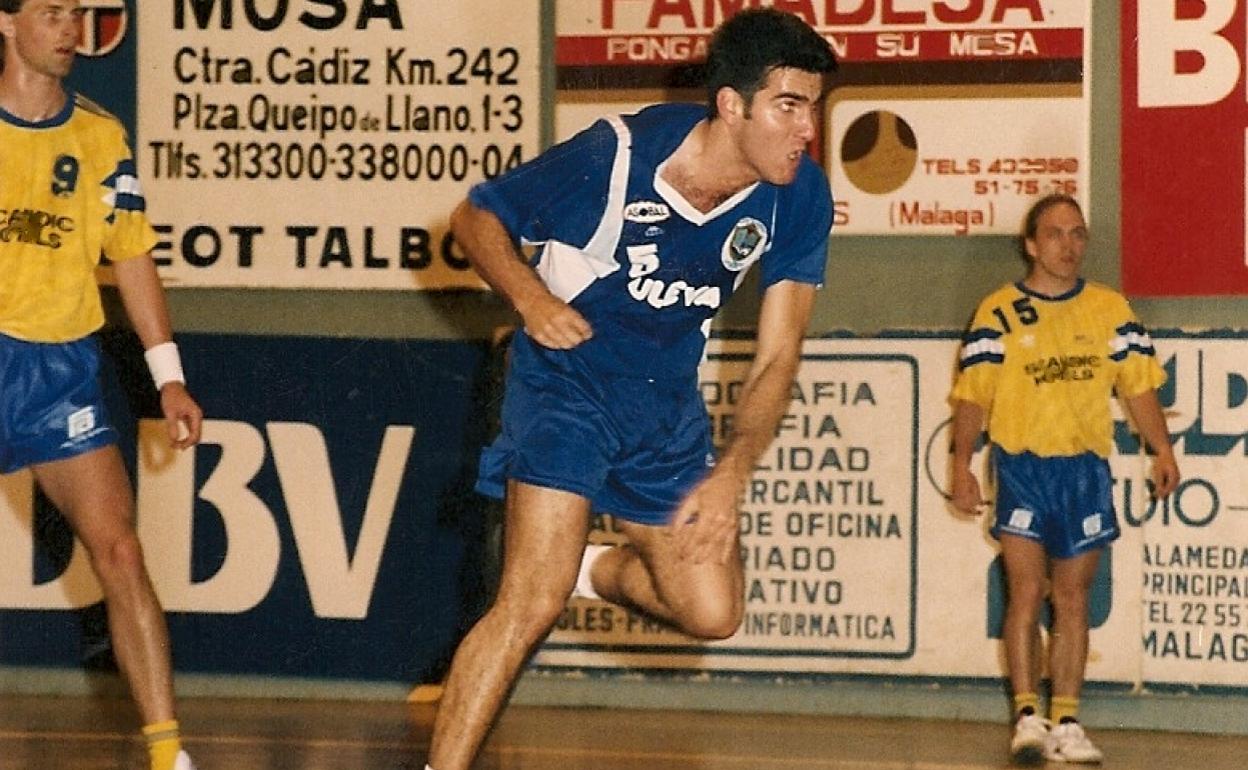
x,y
584,586
1026,703
1063,709
163,743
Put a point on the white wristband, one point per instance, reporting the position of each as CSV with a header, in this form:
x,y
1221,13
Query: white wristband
x,y
164,363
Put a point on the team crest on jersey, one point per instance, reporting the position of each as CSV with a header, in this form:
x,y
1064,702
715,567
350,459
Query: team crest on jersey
x,y
747,240
646,212
103,26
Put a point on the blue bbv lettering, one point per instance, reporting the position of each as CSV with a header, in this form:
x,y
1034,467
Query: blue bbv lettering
x,y
340,579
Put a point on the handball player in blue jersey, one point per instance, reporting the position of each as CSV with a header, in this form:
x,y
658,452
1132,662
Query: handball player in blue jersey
x,y
643,225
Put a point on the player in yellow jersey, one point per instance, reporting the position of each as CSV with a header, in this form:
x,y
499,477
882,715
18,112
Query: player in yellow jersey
x,y
69,193
1041,361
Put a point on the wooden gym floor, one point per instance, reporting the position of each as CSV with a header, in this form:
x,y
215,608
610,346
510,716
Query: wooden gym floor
x,y
56,733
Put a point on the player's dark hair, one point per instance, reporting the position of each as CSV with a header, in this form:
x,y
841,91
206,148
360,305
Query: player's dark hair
x,y
8,6
747,47
1032,222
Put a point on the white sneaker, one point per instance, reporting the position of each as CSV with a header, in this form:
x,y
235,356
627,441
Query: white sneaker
x,y
183,762
1069,743
1031,739
584,588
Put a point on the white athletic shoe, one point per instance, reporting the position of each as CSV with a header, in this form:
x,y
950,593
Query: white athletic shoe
x,y
183,762
1029,745
584,588
1069,743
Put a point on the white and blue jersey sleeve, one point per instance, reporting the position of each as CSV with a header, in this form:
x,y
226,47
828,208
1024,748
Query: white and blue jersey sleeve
x,y
646,268
560,195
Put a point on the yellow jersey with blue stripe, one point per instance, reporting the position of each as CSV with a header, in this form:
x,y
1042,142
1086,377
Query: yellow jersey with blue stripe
x,y
1045,368
69,192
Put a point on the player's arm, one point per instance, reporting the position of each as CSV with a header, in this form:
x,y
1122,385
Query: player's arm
x,y
706,521
1149,419
144,300
968,423
980,360
550,321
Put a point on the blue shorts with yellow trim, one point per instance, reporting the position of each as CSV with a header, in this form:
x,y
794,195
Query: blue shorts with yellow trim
x,y
633,446
51,404
1064,503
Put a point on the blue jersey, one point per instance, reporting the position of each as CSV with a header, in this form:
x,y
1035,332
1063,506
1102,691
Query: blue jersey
x,y
644,267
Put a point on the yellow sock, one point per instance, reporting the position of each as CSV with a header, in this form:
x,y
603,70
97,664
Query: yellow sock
x,y
1024,700
163,743
1061,707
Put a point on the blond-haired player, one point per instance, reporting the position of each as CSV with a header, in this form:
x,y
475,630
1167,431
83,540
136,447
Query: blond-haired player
x,y
1041,361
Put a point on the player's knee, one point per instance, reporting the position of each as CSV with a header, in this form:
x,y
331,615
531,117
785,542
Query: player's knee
x,y
1069,603
121,555
713,620
1027,594
545,610
532,616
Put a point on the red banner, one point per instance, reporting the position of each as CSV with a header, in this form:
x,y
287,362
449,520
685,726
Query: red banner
x,y
1184,127
873,46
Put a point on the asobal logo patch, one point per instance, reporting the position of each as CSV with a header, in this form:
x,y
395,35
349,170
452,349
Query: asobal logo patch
x,y
104,25
646,212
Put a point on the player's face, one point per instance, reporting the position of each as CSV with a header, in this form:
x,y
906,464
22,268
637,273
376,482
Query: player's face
x,y
1057,250
43,35
781,124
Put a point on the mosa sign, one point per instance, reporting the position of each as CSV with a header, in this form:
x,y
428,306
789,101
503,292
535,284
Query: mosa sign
x,y
1184,129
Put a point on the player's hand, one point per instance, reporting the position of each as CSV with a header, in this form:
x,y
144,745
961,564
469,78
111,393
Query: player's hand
x,y
705,523
966,496
183,417
553,323
1165,475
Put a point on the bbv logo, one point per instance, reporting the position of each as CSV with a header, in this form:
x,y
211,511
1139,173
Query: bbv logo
x,y
103,26
340,580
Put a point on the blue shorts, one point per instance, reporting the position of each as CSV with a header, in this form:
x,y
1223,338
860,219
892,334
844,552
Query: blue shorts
x,y
1064,503
51,405
633,446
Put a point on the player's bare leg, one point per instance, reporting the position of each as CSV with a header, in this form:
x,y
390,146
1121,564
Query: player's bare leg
x,y
1026,567
92,492
1039,650
1072,584
544,535
703,600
